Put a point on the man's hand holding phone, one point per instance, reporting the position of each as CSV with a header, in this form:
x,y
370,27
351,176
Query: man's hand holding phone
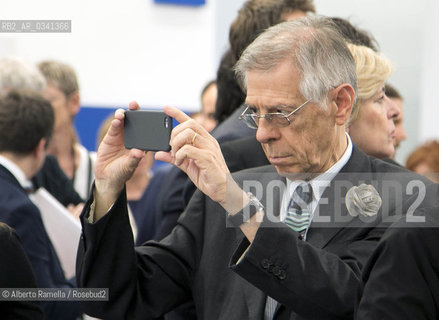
x,y
114,163
193,150
198,154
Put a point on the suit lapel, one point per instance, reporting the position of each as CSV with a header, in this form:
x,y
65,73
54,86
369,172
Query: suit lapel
x,y
332,206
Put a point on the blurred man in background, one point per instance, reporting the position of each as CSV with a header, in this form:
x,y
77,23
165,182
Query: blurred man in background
x,y
62,91
396,98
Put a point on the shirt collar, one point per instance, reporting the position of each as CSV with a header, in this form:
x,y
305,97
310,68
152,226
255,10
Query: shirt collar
x,y
319,183
16,172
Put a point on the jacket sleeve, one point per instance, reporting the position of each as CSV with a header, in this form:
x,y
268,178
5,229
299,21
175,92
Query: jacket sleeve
x,y
143,282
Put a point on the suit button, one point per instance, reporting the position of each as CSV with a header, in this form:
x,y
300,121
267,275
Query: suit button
x,y
276,271
282,275
266,263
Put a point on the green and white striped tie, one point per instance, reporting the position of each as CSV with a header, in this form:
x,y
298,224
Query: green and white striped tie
x,y
298,213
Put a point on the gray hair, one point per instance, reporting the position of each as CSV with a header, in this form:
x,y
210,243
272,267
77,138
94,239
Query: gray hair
x,y
16,73
313,45
62,75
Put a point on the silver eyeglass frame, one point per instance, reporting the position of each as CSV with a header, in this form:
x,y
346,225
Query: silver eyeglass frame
x,y
268,116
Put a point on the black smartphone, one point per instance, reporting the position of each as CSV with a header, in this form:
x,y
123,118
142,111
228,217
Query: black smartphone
x,y
148,130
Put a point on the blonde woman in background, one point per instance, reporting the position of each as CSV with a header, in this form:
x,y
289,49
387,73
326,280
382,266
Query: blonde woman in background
x,y
371,125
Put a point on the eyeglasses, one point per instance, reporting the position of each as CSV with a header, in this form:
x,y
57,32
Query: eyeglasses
x,y
276,119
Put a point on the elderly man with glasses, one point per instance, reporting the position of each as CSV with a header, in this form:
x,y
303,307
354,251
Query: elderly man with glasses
x,y
285,241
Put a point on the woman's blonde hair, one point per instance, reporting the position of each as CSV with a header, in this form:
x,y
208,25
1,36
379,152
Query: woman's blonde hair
x,y
373,69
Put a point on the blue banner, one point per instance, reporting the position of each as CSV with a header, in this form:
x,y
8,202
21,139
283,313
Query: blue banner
x,y
183,2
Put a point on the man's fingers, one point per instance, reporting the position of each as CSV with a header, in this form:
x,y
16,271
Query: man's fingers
x,y
133,159
133,105
187,137
178,115
181,155
115,127
163,156
137,154
119,114
191,153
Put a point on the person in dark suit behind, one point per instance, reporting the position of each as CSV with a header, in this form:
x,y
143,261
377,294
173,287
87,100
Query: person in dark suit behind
x,y
26,124
16,272
401,279
231,251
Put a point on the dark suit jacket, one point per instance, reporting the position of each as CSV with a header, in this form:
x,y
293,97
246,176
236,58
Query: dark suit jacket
x,y
401,279
18,211
243,154
16,272
232,128
318,279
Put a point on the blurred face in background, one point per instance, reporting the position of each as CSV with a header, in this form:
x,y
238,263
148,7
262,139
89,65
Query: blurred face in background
x,y
400,133
374,130
65,107
208,103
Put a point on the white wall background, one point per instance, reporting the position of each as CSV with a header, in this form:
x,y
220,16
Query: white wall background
x,y
161,54
123,50
429,112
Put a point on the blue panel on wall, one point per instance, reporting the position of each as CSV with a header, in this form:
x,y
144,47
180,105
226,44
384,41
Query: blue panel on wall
x,y
183,2
87,123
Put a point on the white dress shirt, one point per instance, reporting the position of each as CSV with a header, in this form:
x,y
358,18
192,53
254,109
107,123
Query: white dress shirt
x,y
16,172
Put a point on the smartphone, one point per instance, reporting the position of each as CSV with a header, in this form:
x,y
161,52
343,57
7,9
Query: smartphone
x,y
148,130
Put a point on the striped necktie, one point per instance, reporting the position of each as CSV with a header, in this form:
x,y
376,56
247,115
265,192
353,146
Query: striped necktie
x,y
298,213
